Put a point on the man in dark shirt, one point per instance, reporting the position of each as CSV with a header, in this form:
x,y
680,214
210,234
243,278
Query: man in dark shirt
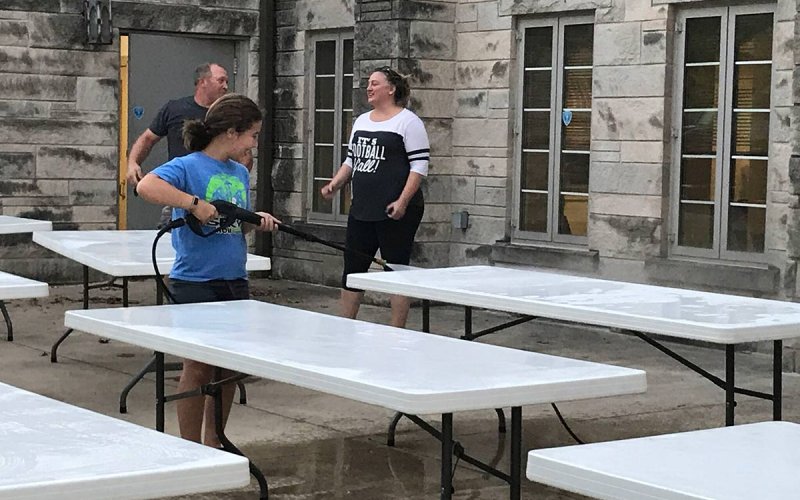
x,y
210,83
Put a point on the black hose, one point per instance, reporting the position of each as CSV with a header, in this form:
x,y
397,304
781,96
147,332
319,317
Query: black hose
x,y
286,228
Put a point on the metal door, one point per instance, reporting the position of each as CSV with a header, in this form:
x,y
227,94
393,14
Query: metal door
x,y
161,68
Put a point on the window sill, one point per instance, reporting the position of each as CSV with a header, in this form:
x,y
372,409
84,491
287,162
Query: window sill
x,y
716,276
575,259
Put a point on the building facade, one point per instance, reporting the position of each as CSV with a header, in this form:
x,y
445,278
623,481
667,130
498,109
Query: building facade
x,y
60,121
646,140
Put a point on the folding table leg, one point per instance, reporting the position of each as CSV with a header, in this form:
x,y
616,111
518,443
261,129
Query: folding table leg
x,y
160,399
447,457
777,379
9,326
730,384
227,445
516,452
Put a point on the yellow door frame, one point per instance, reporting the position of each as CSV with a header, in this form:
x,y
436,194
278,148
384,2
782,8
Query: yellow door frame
x,y
122,191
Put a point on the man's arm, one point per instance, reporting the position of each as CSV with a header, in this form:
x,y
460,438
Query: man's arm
x,y
139,152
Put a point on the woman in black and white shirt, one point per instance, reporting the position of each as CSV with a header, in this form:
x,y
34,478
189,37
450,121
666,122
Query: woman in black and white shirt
x,y
387,157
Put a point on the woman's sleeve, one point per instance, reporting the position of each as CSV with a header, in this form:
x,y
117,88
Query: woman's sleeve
x,y
418,148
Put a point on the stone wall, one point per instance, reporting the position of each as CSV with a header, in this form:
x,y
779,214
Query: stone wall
x,y
461,55
59,100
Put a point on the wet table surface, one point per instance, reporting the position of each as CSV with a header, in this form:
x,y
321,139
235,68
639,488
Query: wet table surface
x,y
52,450
732,463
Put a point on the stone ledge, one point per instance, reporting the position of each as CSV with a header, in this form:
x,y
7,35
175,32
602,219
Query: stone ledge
x,y
577,260
752,279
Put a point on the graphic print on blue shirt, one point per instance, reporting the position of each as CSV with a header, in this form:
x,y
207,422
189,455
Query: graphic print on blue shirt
x,y
222,255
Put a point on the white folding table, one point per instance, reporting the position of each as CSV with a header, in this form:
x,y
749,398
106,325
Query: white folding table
x,y
17,287
746,462
412,372
51,450
14,287
13,225
640,309
121,254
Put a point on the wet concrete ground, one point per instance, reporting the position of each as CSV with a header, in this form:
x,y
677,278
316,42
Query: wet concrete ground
x,y
315,446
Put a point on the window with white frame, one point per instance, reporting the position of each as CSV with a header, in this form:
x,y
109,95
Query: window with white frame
x,y
554,129
330,119
724,79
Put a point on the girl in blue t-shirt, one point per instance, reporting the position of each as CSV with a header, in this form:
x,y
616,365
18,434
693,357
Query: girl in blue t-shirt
x,y
208,269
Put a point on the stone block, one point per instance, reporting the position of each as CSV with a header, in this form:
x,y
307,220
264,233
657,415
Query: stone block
x,y
325,14
483,167
100,94
626,178
66,162
380,40
30,187
489,17
482,74
287,38
625,237
619,44
654,47
484,45
629,81
137,16
59,62
777,235
288,126
641,151
782,88
481,231
37,87
462,190
438,189
290,63
57,131
783,46
492,196
17,165
94,214
606,156
57,31
288,174
289,92
605,145
471,103
575,259
781,125
93,192
431,40
481,152
480,132
625,205
440,135
644,11
428,73
498,99
519,7
630,119
24,109
466,27
432,103
426,11
13,32
40,6
466,13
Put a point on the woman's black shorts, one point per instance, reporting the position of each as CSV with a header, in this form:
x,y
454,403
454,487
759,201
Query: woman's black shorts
x,y
394,238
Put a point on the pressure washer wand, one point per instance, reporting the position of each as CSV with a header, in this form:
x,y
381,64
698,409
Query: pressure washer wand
x,y
286,228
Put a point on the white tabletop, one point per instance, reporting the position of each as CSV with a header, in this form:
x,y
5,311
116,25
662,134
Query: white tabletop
x,y
10,225
713,317
398,369
17,287
745,462
122,253
52,450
